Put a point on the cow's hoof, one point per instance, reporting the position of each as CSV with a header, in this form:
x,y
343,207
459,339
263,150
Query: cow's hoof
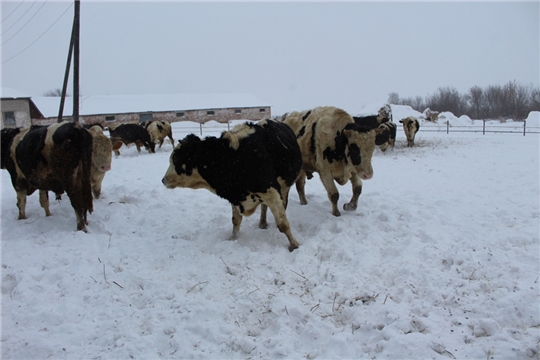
x,y
336,213
349,207
263,225
292,247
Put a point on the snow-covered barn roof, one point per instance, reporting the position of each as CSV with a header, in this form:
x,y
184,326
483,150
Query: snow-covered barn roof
x,y
122,104
9,93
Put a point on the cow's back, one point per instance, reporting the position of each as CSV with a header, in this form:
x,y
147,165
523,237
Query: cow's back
x,y
130,132
316,130
284,150
28,147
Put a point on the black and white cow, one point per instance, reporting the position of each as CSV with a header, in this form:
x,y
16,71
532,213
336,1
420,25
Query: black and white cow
x,y
410,127
53,158
335,147
158,131
383,126
130,134
250,165
386,135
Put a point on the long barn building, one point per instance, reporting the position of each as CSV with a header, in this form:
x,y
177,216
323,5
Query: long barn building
x,y
112,109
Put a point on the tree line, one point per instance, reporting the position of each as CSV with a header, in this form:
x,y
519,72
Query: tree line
x,y
509,101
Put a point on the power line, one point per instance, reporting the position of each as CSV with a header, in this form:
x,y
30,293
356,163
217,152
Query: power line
x,y
14,56
26,23
19,19
11,13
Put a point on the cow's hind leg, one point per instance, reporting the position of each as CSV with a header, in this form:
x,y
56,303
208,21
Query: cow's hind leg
x,y
21,204
274,202
44,201
356,183
236,220
300,187
263,224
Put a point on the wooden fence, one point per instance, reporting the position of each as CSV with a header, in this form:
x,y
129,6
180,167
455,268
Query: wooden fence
x,y
515,128
484,128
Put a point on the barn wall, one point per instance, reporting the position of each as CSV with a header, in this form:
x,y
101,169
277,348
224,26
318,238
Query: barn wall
x,y
199,116
21,108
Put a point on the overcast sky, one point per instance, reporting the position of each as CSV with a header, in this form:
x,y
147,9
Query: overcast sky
x,y
292,55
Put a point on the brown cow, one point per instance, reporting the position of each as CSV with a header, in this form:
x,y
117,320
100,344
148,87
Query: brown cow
x,y
336,148
53,158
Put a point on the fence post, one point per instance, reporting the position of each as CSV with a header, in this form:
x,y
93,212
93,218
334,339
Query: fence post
x,y
524,126
484,127
200,125
448,127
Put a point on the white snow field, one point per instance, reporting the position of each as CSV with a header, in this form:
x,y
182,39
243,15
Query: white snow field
x,y
440,261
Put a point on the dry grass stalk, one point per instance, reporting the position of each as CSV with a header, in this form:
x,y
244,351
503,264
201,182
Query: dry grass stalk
x,y
228,269
302,276
197,284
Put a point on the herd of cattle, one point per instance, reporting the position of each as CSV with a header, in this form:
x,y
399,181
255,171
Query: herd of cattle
x,y
253,164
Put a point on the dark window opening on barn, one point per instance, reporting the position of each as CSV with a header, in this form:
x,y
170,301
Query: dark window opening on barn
x,y
180,114
145,117
210,112
262,110
9,118
237,111
110,118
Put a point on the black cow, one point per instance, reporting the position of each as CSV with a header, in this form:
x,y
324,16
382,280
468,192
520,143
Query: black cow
x,y
54,158
370,121
250,165
131,134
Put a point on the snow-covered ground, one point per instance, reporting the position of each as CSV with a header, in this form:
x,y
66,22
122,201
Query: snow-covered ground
x,y
441,260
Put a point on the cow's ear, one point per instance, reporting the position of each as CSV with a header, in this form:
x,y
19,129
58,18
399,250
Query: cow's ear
x,y
378,131
401,121
347,133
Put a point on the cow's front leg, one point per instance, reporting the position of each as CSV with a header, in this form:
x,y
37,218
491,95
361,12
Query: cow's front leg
x,y
139,144
356,183
21,204
236,220
44,201
300,187
332,191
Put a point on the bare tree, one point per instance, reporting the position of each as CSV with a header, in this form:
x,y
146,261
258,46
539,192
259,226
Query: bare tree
x,y
393,98
477,102
54,93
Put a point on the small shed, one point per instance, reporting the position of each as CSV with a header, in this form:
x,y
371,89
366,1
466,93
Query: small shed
x,y
112,109
18,109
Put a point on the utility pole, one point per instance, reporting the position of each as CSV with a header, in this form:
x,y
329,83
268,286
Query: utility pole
x,y
75,37
73,49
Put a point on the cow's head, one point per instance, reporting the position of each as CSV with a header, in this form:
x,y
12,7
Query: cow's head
x,y
360,147
150,146
182,171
